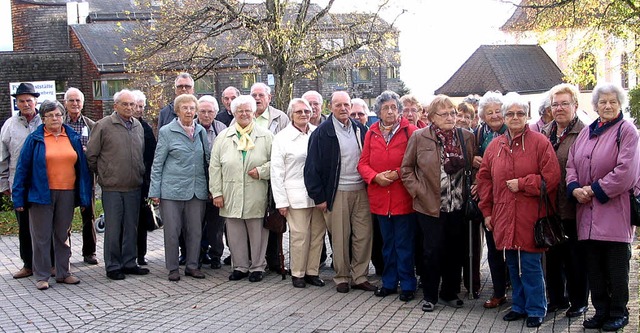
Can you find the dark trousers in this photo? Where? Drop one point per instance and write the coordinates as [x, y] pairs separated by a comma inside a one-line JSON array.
[[144, 217], [497, 266], [377, 258], [88, 232], [442, 254], [476, 253], [567, 279], [273, 251], [398, 231], [213, 229], [608, 271]]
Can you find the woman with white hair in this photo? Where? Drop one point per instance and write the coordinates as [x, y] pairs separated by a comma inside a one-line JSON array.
[[603, 167], [514, 168], [306, 222], [238, 180], [545, 112]]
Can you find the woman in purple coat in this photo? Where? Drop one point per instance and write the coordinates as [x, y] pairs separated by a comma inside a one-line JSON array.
[[603, 166]]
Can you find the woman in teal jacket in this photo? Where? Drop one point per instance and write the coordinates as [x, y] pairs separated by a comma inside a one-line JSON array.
[[178, 178]]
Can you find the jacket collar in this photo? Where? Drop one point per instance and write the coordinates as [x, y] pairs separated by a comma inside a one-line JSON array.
[[594, 130]]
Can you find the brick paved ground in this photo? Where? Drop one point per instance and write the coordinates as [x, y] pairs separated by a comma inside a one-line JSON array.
[[152, 303]]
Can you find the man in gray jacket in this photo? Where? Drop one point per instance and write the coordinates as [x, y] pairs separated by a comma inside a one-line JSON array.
[[114, 152]]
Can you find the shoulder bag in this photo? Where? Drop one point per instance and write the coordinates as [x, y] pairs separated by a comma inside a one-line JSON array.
[[273, 220], [548, 230], [470, 206]]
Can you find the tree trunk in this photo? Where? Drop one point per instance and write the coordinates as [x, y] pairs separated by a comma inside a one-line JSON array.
[[283, 92]]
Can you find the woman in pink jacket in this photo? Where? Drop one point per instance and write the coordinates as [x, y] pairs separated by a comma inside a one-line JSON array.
[[379, 165], [509, 181], [603, 166]]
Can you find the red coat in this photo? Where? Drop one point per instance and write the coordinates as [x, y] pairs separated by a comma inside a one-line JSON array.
[[513, 215], [378, 157]]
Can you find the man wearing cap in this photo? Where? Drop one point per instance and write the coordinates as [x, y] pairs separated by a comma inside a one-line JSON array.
[[14, 131], [74, 102]]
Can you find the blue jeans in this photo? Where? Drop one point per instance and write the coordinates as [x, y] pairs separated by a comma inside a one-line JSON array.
[[397, 250], [527, 281]]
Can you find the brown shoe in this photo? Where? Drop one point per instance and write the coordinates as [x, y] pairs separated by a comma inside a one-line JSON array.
[[342, 287], [23, 273], [91, 260], [42, 285], [366, 286], [495, 302], [53, 271], [174, 275], [71, 279], [196, 273]]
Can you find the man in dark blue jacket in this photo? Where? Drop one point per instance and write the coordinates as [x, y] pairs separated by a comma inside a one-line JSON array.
[[333, 182]]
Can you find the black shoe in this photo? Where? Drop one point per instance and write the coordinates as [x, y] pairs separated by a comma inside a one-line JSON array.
[[273, 267], [205, 259], [342, 287], [615, 323], [576, 311], [553, 307], [407, 296], [314, 280], [256, 276], [512, 316], [142, 261], [476, 295], [227, 261], [182, 260], [215, 264], [238, 275], [594, 322], [384, 292], [135, 270], [115, 275], [298, 282], [534, 321]]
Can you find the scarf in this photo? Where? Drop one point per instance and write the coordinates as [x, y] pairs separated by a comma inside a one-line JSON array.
[[557, 140], [188, 129], [245, 143], [387, 131], [452, 157], [487, 135]]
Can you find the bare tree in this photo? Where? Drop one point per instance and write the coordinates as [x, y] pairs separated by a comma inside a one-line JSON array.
[[292, 39]]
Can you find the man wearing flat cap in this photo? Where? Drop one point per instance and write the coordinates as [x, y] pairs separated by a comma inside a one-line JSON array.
[[14, 131]]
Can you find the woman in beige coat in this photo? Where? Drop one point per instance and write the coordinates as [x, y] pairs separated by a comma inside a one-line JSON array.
[[239, 171]]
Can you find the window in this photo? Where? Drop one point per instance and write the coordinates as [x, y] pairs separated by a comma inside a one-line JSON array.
[[362, 75], [624, 70], [336, 75], [204, 85], [248, 79], [392, 72], [105, 89], [585, 68]]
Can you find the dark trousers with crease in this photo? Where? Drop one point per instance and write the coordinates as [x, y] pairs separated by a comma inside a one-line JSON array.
[[608, 271], [497, 266]]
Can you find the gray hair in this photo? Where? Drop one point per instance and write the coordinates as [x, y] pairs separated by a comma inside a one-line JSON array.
[[183, 76], [386, 96], [116, 96], [267, 89], [241, 100], [545, 103], [210, 99], [608, 88], [362, 103], [294, 102], [514, 99], [72, 89], [490, 97], [312, 93], [139, 96], [232, 88], [48, 106]]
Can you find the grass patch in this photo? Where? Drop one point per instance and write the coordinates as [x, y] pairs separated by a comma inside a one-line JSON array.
[[9, 225]]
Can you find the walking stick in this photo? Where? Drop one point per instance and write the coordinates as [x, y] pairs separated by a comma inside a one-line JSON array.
[[470, 270]]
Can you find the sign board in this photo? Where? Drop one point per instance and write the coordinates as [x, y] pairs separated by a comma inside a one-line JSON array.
[[47, 90]]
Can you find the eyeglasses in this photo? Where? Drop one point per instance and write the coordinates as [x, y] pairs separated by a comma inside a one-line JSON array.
[[125, 104], [184, 86], [519, 114], [55, 115], [445, 115], [564, 105], [389, 107], [409, 110], [300, 112], [243, 111], [357, 114]]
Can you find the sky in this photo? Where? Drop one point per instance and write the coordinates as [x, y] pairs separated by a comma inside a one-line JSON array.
[[436, 36]]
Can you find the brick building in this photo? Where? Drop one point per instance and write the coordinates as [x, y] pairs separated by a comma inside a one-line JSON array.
[[80, 44]]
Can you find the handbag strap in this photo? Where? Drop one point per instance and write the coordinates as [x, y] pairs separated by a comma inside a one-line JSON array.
[[467, 163], [544, 197]]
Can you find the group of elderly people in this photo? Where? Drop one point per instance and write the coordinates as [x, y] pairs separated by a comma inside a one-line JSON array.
[[414, 162]]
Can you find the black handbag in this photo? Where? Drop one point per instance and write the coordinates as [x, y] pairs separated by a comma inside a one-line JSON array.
[[548, 231], [470, 206], [273, 220], [634, 208]]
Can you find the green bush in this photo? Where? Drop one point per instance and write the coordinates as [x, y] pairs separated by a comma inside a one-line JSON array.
[[634, 103]]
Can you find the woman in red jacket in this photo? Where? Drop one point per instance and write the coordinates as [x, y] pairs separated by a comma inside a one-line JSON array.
[[379, 165], [513, 168]]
